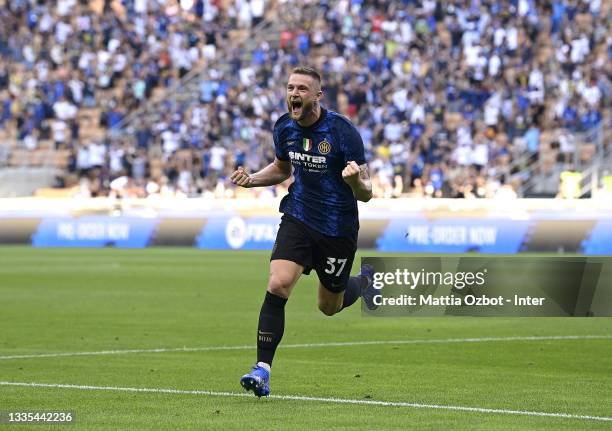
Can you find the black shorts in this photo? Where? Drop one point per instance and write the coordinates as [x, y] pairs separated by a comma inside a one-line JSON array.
[[332, 257]]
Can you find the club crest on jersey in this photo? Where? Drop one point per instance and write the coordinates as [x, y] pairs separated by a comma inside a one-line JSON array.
[[307, 144], [324, 147]]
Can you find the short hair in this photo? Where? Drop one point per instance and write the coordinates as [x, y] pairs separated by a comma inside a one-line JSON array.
[[305, 70]]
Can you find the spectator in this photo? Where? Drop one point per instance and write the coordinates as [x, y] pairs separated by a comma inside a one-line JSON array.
[[447, 95]]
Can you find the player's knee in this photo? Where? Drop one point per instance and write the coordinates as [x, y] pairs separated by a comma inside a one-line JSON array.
[[279, 286], [328, 309]]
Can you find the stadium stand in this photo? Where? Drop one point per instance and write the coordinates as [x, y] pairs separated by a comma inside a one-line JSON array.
[[453, 99]]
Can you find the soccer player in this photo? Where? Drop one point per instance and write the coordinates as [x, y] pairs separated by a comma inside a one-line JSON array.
[[319, 225]]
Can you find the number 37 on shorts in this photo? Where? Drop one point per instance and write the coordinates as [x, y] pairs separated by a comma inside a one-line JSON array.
[[335, 266]]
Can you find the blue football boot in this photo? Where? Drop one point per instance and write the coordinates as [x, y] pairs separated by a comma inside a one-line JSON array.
[[258, 381]]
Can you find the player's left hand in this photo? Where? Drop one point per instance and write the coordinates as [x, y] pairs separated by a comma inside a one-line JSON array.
[[350, 174]]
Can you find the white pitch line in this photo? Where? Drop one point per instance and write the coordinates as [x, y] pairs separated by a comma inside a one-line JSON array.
[[313, 345], [314, 399]]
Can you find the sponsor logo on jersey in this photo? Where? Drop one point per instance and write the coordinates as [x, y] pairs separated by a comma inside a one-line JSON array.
[[324, 147], [307, 144], [301, 157]]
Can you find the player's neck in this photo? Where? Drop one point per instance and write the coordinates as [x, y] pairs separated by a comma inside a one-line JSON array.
[[312, 117]]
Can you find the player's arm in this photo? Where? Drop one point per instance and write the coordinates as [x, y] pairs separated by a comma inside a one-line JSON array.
[[358, 178], [275, 173]]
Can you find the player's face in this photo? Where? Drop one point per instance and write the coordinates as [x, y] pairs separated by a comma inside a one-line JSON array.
[[303, 94]]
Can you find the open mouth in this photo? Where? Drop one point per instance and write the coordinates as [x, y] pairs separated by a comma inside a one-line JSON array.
[[296, 106]]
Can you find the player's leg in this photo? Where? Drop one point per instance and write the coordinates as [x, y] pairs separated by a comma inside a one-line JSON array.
[[333, 261], [283, 276], [331, 303], [291, 256]]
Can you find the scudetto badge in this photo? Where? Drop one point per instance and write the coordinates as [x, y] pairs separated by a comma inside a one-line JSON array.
[[324, 147]]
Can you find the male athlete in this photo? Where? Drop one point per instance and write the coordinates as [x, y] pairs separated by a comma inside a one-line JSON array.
[[320, 222]]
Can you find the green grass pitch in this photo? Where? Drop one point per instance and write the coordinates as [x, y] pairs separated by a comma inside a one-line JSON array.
[[62, 301]]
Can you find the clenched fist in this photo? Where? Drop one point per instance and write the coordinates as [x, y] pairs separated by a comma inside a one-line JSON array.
[[350, 174], [241, 178]]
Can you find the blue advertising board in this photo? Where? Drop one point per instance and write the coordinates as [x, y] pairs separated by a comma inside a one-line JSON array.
[[600, 239], [94, 231], [453, 235], [238, 233], [411, 234]]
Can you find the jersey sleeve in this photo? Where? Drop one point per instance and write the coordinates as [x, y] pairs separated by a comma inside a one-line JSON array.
[[352, 145], [280, 149]]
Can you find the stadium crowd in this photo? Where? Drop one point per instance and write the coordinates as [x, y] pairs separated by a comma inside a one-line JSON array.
[[451, 98]]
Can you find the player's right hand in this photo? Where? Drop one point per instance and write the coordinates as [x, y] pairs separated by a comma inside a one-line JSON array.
[[241, 178]]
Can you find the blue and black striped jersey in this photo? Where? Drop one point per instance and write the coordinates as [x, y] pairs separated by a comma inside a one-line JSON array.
[[319, 197]]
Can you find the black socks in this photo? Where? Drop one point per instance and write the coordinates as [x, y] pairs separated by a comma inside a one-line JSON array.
[[271, 327], [272, 318], [353, 290]]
